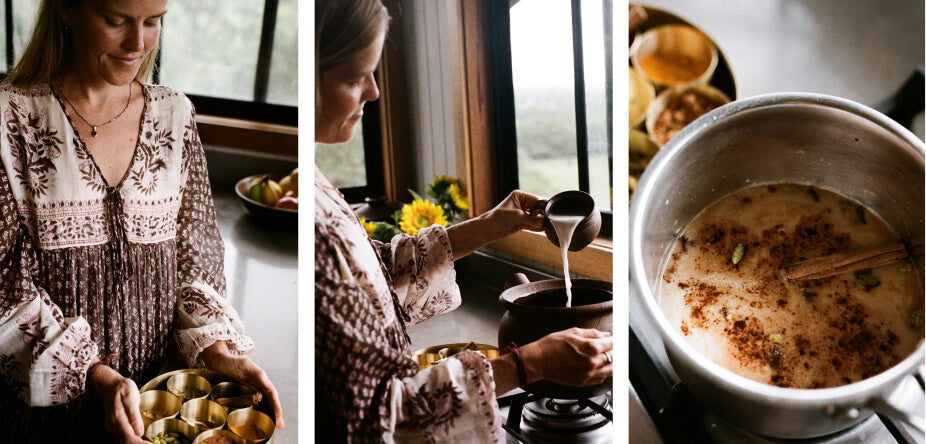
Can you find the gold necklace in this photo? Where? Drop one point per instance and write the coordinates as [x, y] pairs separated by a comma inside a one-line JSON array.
[[93, 128]]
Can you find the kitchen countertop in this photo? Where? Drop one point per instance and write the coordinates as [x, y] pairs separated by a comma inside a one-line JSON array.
[[261, 271]]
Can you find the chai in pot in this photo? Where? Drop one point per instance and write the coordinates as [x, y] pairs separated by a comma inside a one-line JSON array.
[[724, 289]]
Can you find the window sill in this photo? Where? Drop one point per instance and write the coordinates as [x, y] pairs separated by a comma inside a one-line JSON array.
[[259, 137], [595, 261]]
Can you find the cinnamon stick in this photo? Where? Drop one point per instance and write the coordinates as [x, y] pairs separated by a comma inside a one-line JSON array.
[[846, 261]]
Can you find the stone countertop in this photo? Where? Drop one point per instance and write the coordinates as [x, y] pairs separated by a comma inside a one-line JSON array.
[[261, 270]]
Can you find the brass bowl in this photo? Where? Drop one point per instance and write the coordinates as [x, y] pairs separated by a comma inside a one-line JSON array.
[[430, 356], [170, 425], [204, 437], [203, 414], [158, 404], [641, 94], [189, 386], [232, 395], [252, 425], [706, 95], [674, 55]]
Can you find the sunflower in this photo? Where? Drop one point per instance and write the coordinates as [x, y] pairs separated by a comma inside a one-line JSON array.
[[458, 197], [369, 226], [443, 180], [420, 214]]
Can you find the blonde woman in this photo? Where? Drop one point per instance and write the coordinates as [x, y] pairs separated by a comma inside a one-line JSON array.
[[109, 250], [368, 388]]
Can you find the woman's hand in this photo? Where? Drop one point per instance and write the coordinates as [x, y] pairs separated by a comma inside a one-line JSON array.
[[218, 358], [574, 357], [513, 214], [120, 399], [506, 218]]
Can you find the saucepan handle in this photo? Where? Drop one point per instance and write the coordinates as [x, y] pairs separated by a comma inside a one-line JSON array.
[[883, 407]]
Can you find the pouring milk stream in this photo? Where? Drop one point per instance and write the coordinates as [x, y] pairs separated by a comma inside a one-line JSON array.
[[574, 220], [565, 225]]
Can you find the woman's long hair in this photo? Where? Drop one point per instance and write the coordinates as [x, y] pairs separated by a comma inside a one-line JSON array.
[[50, 50], [342, 29]]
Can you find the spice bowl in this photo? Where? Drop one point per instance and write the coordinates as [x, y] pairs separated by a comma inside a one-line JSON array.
[[158, 404], [232, 395], [217, 436], [203, 414], [674, 55], [188, 386], [674, 108], [160, 431], [641, 94], [250, 424]]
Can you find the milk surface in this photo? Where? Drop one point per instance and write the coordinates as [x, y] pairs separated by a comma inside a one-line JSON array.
[[749, 319]]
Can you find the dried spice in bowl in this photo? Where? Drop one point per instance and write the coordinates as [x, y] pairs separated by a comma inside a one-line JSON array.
[[675, 108]]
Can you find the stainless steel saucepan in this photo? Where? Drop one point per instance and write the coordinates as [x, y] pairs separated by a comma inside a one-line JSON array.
[[812, 139]]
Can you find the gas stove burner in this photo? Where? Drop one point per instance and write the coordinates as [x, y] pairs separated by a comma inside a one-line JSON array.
[[534, 419], [567, 415]]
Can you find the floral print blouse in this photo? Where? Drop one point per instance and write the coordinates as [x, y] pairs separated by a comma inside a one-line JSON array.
[[368, 387], [88, 269]]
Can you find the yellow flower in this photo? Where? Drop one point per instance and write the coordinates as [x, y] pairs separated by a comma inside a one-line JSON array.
[[369, 226], [445, 180], [421, 214], [459, 198]]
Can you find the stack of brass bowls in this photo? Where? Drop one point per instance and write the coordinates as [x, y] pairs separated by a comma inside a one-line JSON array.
[[204, 406], [428, 357]]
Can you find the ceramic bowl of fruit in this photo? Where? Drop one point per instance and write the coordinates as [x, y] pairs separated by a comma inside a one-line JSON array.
[[271, 199]]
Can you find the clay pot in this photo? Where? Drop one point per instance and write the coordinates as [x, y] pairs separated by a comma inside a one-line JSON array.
[[536, 309]]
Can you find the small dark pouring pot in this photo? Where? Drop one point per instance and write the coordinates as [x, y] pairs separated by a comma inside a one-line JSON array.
[[536, 309]]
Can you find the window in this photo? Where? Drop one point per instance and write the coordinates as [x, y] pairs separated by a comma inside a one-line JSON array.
[[558, 94], [355, 166], [229, 60]]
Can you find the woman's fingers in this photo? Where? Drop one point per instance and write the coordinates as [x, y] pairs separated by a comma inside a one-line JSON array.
[[125, 428], [268, 389]]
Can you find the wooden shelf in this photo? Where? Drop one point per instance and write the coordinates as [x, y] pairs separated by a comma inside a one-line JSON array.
[[268, 138]]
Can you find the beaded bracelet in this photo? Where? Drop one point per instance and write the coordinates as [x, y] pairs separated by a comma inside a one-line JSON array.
[[522, 372], [105, 360]]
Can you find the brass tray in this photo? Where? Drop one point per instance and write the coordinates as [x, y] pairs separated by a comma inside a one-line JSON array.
[[160, 383]]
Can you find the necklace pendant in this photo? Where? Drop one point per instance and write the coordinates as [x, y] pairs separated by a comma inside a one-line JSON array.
[[93, 131]]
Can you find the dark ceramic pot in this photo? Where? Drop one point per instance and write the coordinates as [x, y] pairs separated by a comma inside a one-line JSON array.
[[536, 309], [571, 202]]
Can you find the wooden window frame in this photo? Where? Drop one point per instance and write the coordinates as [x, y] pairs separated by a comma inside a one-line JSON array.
[[475, 137], [477, 144]]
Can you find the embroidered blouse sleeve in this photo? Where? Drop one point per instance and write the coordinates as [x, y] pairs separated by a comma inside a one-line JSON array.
[[204, 314], [422, 272], [454, 401], [44, 356]]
